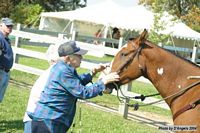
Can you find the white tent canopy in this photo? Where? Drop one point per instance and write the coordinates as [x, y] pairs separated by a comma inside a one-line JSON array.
[[111, 14], [180, 30]]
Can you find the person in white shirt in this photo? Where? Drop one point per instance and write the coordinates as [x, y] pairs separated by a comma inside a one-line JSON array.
[[52, 57]]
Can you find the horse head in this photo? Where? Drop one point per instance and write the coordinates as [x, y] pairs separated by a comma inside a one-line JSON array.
[[128, 63]]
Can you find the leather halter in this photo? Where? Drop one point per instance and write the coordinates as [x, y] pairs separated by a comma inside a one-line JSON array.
[[185, 108], [130, 59]]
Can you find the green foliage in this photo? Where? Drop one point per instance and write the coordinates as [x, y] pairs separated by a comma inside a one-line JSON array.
[[6, 8], [157, 27], [146, 2], [159, 24], [192, 19], [186, 10], [26, 14], [59, 5]]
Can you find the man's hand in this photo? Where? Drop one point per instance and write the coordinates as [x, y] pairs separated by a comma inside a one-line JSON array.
[[99, 68], [111, 77]]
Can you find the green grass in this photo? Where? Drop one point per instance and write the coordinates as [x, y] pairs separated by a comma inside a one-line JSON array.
[[12, 109], [92, 120], [33, 62], [96, 121], [106, 58], [23, 77], [145, 89], [34, 48]]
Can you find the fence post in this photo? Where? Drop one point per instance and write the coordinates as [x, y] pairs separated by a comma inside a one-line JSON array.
[[194, 53], [123, 107], [16, 57], [120, 42], [73, 35], [60, 36]]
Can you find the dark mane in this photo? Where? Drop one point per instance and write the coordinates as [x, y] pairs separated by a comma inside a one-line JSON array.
[[192, 63], [181, 57]]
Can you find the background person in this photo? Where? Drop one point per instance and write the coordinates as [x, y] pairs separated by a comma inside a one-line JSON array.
[[57, 105], [116, 35], [6, 54], [52, 57], [98, 34]]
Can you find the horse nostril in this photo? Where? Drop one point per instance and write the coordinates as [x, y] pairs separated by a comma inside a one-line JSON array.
[[112, 86]]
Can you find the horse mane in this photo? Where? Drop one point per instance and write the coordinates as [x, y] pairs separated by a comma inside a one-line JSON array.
[[181, 57], [171, 52]]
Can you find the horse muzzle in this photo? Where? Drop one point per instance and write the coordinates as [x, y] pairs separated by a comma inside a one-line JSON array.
[[111, 86]]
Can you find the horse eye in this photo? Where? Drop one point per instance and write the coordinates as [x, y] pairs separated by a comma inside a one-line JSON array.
[[123, 54]]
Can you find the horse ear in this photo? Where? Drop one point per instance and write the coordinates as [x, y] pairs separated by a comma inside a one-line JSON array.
[[142, 38]]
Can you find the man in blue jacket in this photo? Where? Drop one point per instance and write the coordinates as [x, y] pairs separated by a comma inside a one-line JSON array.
[[56, 108], [6, 54]]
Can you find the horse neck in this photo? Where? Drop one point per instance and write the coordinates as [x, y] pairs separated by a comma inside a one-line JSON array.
[[163, 69]]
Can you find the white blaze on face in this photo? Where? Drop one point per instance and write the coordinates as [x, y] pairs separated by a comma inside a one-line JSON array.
[[160, 71], [125, 45]]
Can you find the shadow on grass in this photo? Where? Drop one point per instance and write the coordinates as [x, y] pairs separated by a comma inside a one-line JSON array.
[[11, 125]]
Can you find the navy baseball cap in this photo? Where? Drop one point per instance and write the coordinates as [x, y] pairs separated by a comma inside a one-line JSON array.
[[7, 21], [69, 48]]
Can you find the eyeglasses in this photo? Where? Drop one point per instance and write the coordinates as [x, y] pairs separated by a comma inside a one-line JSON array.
[[9, 26]]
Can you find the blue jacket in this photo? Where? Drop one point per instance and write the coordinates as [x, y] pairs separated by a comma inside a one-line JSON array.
[[6, 58], [64, 86]]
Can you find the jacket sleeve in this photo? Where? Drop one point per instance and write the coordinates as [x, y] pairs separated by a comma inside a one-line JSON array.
[[85, 78], [73, 85]]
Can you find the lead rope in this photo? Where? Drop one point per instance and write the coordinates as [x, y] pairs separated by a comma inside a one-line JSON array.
[[80, 118], [77, 117], [136, 106]]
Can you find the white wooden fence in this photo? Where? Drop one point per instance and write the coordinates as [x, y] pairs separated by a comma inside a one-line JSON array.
[[46, 40]]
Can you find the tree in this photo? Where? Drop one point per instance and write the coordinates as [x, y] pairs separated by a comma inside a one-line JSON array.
[[26, 14], [186, 10], [28, 11], [192, 19], [159, 8], [179, 7], [60, 5], [6, 8]]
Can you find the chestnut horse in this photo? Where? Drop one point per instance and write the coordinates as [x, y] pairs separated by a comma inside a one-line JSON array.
[[169, 74]]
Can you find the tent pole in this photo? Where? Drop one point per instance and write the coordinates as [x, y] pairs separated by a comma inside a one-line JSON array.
[[41, 26], [66, 26], [72, 27], [173, 44], [105, 33], [194, 52]]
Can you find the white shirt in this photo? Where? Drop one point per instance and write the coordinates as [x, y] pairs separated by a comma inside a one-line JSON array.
[[35, 93]]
